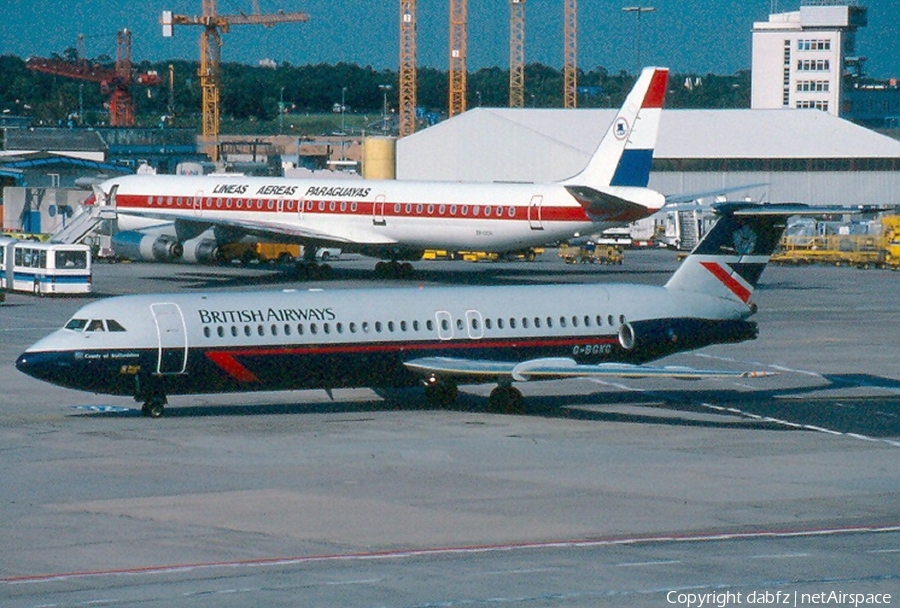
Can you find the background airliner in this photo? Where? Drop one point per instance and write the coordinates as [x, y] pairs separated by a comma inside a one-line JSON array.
[[153, 346], [397, 220]]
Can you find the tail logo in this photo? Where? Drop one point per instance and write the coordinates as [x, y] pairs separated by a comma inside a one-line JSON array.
[[621, 129], [744, 240]]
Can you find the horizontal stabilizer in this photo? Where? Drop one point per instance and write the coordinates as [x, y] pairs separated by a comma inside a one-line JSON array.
[[555, 368]]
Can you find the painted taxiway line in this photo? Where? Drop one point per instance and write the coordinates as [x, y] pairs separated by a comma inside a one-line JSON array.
[[449, 551]]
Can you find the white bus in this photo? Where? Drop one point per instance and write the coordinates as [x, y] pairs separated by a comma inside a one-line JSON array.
[[44, 268]]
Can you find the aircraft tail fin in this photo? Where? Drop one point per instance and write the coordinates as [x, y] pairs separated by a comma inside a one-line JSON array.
[[625, 153], [731, 257]]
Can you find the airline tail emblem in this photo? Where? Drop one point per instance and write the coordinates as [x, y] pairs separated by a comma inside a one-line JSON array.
[[625, 153], [731, 257]]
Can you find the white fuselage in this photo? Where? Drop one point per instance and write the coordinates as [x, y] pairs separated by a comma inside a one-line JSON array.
[[367, 214]]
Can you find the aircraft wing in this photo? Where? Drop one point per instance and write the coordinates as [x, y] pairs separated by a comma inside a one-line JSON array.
[[269, 231], [556, 368]]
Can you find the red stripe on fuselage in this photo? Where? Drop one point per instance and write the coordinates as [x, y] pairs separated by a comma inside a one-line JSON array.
[[729, 281], [656, 94], [226, 360], [223, 205]]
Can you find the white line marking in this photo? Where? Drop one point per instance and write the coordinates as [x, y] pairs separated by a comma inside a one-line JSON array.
[[638, 564]]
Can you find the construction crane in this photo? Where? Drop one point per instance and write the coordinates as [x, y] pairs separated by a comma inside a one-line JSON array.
[[570, 54], [407, 67], [457, 103], [115, 82], [517, 53], [211, 51]]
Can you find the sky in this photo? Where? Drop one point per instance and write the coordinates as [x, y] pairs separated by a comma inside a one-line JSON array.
[[696, 36]]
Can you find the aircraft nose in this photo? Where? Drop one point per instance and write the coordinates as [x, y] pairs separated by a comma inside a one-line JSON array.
[[36, 365]]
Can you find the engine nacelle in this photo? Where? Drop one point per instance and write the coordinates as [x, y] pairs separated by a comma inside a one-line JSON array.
[[200, 251], [651, 339], [142, 247]]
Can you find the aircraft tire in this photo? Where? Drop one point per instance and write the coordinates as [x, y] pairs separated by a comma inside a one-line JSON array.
[[506, 400], [154, 408]]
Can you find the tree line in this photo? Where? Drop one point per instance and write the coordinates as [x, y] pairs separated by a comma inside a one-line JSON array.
[[258, 92]]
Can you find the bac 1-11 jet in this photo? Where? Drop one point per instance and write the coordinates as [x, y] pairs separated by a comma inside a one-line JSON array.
[[153, 346], [395, 220]]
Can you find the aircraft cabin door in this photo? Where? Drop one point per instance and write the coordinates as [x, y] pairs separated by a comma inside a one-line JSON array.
[[534, 212], [378, 211], [172, 338], [444, 324], [474, 324], [198, 203]]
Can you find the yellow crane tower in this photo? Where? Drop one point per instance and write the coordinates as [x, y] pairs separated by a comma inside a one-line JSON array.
[[457, 58], [407, 67], [211, 51], [517, 53], [570, 54]]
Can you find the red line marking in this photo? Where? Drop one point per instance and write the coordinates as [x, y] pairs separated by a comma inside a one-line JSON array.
[[227, 362], [472, 549]]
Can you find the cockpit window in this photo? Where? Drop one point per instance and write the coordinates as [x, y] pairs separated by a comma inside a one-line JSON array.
[[95, 325], [76, 324], [113, 325]]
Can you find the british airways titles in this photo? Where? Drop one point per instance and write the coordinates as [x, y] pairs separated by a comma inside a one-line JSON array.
[[281, 190], [272, 314]]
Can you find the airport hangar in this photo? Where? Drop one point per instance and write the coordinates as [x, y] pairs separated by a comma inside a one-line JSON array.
[[791, 155]]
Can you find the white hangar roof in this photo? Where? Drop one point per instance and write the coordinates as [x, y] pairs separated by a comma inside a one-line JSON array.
[[497, 144]]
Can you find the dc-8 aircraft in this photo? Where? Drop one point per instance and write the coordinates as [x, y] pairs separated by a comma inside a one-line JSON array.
[[396, 220], [154, 346]]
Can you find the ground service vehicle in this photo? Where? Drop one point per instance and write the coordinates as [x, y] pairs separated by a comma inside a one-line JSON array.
[[44, 268]]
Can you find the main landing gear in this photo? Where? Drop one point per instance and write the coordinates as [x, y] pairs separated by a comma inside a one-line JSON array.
[[504, 399], [154, 407], [393, 270]]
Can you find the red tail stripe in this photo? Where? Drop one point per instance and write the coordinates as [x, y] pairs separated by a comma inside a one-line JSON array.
[[656, 94], [729, 281]]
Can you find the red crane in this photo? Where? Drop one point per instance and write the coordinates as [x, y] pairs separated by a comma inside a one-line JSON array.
[[115, 82]]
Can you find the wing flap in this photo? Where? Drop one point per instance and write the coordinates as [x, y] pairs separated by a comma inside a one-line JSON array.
[[558, 368]]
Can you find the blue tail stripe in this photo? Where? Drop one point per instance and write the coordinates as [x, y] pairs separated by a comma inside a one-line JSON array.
[[633, 168]]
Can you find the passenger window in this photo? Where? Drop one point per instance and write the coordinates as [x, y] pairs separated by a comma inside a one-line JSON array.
[[261, 330], [574, 321], [274, 329], [499, 323], [512, 323], [587, 321], [403, 326], [487, 323], [391, 326], [287, 329], [234, 331], [365, 327], [459, 324], [247, 330], [524, 322], [339, 327], [599, 321], [300, 329], [313, 328], [611, 320], [537, 321], [549, 322], [220, 331], [429, 325], [415, 326], [352, 327], [326, 327], [378, 327], [562, 321], [206, 332]]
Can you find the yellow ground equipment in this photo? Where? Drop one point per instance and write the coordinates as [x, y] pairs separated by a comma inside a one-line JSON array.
[[591, 254], [860, 250]]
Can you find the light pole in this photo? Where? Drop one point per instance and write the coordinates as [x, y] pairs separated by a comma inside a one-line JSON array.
[[281, 111], [637, 10], [343, 103], [385, 88]]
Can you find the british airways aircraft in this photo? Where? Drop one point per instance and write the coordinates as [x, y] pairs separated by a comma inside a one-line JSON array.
[[154, 346], [397, 220]]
